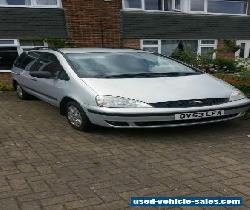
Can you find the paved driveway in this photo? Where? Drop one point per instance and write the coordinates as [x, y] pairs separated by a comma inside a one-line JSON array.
[[44, 164]]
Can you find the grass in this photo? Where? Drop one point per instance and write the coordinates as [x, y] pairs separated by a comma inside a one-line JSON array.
[[6, 87], [245, 74]]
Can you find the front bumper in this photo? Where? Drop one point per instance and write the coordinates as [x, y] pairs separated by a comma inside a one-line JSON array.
[[155, 117]]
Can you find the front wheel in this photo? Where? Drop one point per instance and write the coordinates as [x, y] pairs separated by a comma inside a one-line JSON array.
[[21, 93], [77, 117]]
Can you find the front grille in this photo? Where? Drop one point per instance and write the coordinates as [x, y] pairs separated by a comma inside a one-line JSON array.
[[178, 122], [190, 103]]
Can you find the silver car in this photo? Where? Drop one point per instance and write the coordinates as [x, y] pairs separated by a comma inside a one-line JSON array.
[[125, 88]]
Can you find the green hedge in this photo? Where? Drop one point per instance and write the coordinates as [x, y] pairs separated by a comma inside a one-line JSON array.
[[244, 89], [6, 87]]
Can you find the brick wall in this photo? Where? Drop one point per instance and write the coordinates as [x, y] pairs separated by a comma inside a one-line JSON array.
[[131, 43], [94, 23], [224, 54], [5, 78]]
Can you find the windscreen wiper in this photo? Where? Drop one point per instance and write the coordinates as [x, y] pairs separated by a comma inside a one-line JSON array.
[[149, 75]]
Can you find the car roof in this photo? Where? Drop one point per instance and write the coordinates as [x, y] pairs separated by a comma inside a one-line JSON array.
[[89, 50]]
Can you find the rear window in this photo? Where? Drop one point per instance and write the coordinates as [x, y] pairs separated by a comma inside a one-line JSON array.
[[19, 60], [26, 59]]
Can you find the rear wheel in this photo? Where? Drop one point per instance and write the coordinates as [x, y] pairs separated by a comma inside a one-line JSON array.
[[77, 117], [21, 93]]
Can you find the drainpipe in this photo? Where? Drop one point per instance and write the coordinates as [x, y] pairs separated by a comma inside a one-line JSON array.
[[102, 33]]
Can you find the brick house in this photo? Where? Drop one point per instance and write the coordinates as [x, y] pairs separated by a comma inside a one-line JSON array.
[[155, 25]]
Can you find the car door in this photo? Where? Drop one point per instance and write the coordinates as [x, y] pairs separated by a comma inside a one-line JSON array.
[[51, 89], [22, 68], [18, 68]]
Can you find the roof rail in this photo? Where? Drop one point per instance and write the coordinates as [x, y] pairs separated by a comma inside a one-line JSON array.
[[45, 48]]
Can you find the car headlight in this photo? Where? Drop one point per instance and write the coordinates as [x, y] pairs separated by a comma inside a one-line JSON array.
[[237, 95], [119, 102]]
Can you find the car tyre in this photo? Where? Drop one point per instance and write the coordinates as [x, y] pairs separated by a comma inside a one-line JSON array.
[[77, 117], [21, 93]]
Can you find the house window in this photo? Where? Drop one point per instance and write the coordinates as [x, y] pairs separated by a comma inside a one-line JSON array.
[[150, 42], [219, 6], [226, 6], [7, 42], [151, 45], [31, 3], [11, 48], [197, 5], [7, 57], [207, 52], [244, 51], [160, 5], [168, 47], [8, 54], [207, 48], [133, 4], [15, 2], [205, 6], [208, 42], [46, 2], [177, 4], [168, 5], [153, 4]]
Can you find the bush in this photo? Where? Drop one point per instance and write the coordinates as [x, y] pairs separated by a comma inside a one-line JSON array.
[[206, 64], [243, 64], [230, 46], [244, 89], [226, 65], [60, 43], [186, 56], [6, 87]]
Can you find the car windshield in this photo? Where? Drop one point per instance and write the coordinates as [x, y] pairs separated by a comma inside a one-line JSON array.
[[126, 65]]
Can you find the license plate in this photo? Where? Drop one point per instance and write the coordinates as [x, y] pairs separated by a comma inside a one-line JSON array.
[[199, 115]]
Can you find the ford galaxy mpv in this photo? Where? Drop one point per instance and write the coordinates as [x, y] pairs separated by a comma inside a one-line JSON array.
[[125, 88]]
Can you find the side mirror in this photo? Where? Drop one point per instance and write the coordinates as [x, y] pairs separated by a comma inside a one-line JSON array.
[[42, 74]]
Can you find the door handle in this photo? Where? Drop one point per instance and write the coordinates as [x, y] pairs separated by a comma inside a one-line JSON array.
[[34, 79]]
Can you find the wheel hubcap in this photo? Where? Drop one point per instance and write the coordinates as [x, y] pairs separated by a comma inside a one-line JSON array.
[[19, 91], [74, 116]]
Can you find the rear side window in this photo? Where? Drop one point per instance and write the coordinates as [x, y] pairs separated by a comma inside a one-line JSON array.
[[26, 60], [19, 60]]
